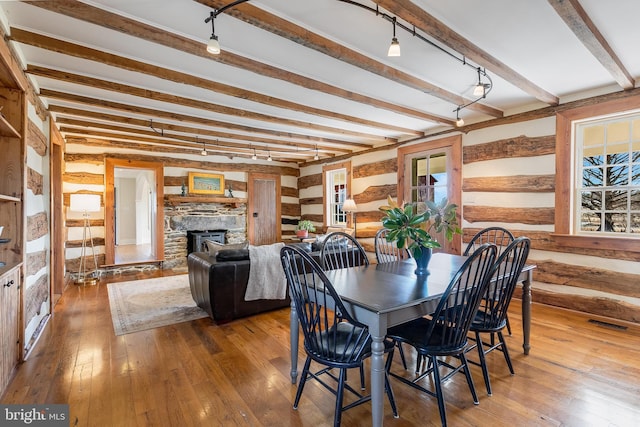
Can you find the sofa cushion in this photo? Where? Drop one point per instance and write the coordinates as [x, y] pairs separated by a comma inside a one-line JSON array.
[[214, 247], [232, 255]]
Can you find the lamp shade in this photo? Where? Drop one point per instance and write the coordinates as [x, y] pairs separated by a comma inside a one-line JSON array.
[[85, 202], [349, 205]]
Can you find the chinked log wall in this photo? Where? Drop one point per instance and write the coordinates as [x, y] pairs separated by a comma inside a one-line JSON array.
[[548, 271], [85, 174]]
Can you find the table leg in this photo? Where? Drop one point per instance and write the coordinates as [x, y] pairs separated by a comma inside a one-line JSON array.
[[293, 340], [526, 310], [377, 380]]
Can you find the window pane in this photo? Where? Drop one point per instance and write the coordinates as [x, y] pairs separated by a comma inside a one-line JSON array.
[[615, 200], [593, 135], [635, 223], [590, 222], [617, 176], [618, 222], [618, 132], [592, 177]]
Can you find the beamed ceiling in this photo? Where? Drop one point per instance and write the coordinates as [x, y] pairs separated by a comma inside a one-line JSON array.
[[300, 77]]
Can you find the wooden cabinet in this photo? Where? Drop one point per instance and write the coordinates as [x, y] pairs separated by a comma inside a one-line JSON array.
[[9, 329], [13, 114]]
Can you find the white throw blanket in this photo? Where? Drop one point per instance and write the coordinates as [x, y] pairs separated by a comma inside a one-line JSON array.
[[266, 277]]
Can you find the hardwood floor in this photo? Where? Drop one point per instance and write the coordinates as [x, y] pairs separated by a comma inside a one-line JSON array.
[[579, 373]]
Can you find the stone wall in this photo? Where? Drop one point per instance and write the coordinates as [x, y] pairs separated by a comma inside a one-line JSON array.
[[199, 217]]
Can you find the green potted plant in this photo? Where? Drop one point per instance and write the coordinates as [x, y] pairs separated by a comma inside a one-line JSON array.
[[410, 226], [303, 228]]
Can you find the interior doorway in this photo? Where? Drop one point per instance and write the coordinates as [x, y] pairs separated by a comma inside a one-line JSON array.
[[134, 212]]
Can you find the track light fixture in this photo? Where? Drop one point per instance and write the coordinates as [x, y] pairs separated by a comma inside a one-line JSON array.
[[213, 46], [459, 121], [316, 156], [255, 156], [481, 89], [204, 149], [394, 49], [269, 159]]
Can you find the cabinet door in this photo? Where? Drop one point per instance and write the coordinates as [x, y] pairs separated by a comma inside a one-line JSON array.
[[9, 298]]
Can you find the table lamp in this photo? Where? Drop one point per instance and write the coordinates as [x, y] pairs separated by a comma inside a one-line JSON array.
[[86, 203], [349, 206]]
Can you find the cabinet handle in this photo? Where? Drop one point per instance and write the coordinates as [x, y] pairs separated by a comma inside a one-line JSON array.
[[8, 284]]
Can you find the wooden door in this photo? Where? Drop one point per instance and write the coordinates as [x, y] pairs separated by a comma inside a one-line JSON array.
[[9, 328], [264, 209]]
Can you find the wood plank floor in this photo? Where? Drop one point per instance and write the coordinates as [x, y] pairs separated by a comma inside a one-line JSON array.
[[579, 373]]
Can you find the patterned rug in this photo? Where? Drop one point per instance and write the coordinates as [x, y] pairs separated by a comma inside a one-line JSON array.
[[146, 304]]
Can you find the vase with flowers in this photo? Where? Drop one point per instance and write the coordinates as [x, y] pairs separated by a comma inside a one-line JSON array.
[[411, 226]]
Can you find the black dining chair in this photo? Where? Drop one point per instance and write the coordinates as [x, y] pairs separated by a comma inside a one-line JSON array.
[[443, 336], [387, 251], [499, 236], [342, 250], [332, 338], [492, 313]]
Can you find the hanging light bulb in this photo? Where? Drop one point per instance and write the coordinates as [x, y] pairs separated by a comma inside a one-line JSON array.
[[459, 121], [480, 90], [394, 49], [316, 157], [269, 158], [204, 149], [213, 46], [255, 156]]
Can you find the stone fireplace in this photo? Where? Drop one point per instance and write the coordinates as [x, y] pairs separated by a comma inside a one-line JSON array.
[[181, 218]]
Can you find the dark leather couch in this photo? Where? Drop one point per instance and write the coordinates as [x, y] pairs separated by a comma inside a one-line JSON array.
[[218, 284]]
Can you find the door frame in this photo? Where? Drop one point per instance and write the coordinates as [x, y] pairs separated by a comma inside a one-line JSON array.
[[252, 177], [454, 176]]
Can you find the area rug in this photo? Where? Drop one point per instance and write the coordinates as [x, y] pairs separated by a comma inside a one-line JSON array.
[[146, 304]]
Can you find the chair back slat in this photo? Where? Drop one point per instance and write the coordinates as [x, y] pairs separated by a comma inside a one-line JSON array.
[[341, 250], [499, 236], [459, 303], [388, 251], [331, 335], [504, 277]]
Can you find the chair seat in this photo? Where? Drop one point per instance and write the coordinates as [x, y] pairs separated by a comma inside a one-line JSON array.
[[413, 334]]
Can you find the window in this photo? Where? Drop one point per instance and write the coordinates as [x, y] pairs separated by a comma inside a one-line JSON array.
[[336, 181], [607, 183], [570, 231]]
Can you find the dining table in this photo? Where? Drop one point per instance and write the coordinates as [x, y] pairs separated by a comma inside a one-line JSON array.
[[384, 295]]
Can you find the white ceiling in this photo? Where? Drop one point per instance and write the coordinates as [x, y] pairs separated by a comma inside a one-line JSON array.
[[528, 37]]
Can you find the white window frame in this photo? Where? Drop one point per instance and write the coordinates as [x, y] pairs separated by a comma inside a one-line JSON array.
[[333, 214], [601, 212]]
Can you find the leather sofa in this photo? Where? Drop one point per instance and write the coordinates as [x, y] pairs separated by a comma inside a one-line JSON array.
[[219, 283]]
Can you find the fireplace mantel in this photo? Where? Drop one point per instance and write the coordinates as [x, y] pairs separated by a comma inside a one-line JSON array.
[[174, 200]]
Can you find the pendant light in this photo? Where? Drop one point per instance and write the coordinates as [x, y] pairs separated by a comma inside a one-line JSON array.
[[394, 49]]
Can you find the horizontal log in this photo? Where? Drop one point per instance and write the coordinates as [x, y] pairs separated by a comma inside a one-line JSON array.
[[289, 192], [290, 209], [309, 181], [314, 218], [80, 223], [511, 184], [536, 216], [376, 168], [37, 226], [83, 178], [544, 241], [368, 216], [36, 139], [212, 166], [34, 181], [598, 279], [312, 201], [377, 193], [520, 146], [97, 241], [36, 261], [34, 296]]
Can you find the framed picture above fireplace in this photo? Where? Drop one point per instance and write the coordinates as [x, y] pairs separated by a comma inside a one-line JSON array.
[[206, 183]]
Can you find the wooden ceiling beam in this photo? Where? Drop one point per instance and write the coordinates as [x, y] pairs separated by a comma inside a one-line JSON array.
[[183, 101], [113, 21], [112, 140], [418, 17], [283, 28], [287, 140], [195, 141], [101, 103], [577, 19]]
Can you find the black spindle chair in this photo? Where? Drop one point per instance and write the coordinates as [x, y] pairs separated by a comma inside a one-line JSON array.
[[332, 338], [443, 337], [342, 250], [491, 317]]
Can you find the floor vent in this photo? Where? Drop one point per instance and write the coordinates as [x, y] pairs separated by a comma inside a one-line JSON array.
[[607, 324]]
